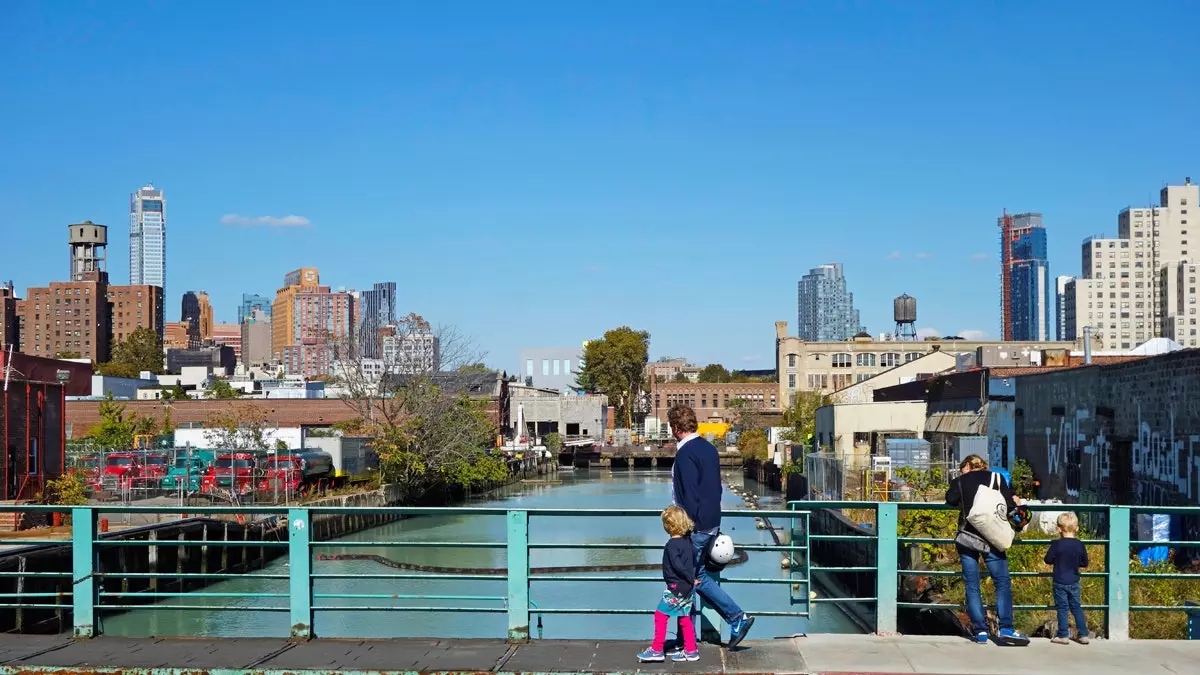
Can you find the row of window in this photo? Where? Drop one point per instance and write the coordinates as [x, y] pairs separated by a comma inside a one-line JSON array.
[[867, 359]]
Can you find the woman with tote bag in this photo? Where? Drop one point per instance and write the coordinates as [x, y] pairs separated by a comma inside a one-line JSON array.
[[984, 500]]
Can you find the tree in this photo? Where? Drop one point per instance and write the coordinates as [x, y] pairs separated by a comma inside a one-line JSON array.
[[220, 389], [801, 416], [680, 377], [239, 427], [752, 444], [140, 351], [68, 355], [175, 393], [743, 413], [116, 429], [476, 368], [714, 373], [613, 366]]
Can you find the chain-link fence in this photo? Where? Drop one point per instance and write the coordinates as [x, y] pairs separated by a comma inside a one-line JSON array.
[[861, 476]]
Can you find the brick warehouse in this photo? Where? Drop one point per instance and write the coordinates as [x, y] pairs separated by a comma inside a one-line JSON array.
[[31, 426], [1125, 433]]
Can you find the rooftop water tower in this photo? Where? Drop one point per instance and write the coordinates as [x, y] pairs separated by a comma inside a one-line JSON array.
[[88, 243], [905, 310]]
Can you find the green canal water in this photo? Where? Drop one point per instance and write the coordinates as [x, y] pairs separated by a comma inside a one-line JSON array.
[[581, 489]]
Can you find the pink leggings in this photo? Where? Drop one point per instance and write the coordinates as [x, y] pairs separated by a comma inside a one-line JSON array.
[[686, 631]]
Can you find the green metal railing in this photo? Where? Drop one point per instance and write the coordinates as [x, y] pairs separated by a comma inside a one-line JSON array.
[[1116, 572], [87, 596]]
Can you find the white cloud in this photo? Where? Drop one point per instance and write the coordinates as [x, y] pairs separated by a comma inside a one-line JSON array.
[[894, 255], [980, 257], [923, 333], [974, 335], [265, 221], [923, 256], [751, 358]]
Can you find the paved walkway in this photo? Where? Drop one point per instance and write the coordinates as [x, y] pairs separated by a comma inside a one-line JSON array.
[[819, 654]]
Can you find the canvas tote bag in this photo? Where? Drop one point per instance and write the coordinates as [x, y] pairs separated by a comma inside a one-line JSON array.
[[989, 515]]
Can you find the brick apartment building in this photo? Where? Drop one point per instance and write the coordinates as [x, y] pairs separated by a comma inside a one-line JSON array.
[[711, 400]]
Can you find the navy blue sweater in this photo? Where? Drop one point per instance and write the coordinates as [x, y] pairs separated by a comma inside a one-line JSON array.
[[1067, 555], [697, 480], [679, 566]]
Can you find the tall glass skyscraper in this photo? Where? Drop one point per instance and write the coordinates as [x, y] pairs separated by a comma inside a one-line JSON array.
[[148, 238], [826, 307], [378, 310], [251, 302], [1029, 283]]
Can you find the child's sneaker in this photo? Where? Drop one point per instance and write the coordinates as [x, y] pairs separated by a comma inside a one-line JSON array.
[[681, 656], [651, 656], [1012, 638], [1083, 640], [981, 638]]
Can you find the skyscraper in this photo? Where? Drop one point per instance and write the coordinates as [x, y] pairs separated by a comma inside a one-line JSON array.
[[251, 302], [378, 309], [148, 238], [826, 307], [1063, 300], [310, 323], [1025, 270], [196, 310]]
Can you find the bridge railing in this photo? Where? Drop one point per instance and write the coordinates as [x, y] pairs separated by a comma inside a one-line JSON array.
[[97, 588], [1115, 569]]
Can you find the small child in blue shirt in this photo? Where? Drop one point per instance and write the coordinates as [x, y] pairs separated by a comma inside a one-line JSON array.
[[1067, 554]]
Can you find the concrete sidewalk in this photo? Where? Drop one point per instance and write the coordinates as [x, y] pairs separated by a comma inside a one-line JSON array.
[[823, 654]]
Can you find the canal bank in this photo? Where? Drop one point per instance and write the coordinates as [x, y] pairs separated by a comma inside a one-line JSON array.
[[440, 599]]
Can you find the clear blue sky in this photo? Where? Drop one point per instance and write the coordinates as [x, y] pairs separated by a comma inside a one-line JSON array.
[[537, 172]]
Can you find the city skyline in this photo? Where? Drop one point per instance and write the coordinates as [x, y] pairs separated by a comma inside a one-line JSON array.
[[825, 306], [557, 148]]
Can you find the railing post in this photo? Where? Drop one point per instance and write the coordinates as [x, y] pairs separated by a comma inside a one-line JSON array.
[[83, 570], [300, 573], [518, 576], [1118, 572], [887, 523]]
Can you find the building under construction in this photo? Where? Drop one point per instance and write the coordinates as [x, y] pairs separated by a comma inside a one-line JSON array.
[[1025, 284]]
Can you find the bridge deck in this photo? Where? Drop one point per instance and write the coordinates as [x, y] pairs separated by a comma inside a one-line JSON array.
[[826, 654]]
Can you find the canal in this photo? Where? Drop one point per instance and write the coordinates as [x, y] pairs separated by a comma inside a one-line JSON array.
[[582, 489]]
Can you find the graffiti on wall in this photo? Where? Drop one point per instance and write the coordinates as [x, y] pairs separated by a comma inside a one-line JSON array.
[[1164, 463]]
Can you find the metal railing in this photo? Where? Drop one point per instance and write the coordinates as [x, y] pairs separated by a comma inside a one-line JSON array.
[[294, 537], [1116, 571], [88, 597]]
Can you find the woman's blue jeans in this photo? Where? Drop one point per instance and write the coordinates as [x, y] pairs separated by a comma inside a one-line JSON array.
[[997, 565]]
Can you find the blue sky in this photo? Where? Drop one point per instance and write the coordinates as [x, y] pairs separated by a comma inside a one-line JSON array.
[[537, 172]]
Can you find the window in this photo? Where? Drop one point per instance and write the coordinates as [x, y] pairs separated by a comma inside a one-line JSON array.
[[866, 360], [818, 381], [545, 366], [556, 366], [791, 360], [889, 360], [791, 381], [911, 356], [842, 360], [566, 366]]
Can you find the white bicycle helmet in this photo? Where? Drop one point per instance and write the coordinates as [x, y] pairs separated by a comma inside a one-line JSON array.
[[722, 550]]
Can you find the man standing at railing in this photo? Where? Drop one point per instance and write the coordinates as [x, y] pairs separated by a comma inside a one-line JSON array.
[[696, 488]]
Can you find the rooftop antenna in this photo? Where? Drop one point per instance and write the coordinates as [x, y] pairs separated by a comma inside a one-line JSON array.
[[8, 367]]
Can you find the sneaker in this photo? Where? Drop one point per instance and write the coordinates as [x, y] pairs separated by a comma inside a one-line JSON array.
[[738, 630], [1012, 638], [1083, 640], [981, 638], [651, 656], [1060, 641], [681, 656]]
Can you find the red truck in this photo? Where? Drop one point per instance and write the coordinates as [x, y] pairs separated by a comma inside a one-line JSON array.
[[234, 472], [121, 471], [296, 472], [154, 466]]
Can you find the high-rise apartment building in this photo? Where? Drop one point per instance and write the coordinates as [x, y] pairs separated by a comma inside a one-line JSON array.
[[134, 307], [251, 302], [1131, 286], [148, 238], [73, 317], [1026, 270], [1061, 303], [196, 311], [377, 308], [310, 324], [256, 338], [228, 334], [826, 308], [410, 347]]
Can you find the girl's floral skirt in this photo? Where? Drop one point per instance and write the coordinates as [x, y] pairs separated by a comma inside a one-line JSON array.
[[673, 605]]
